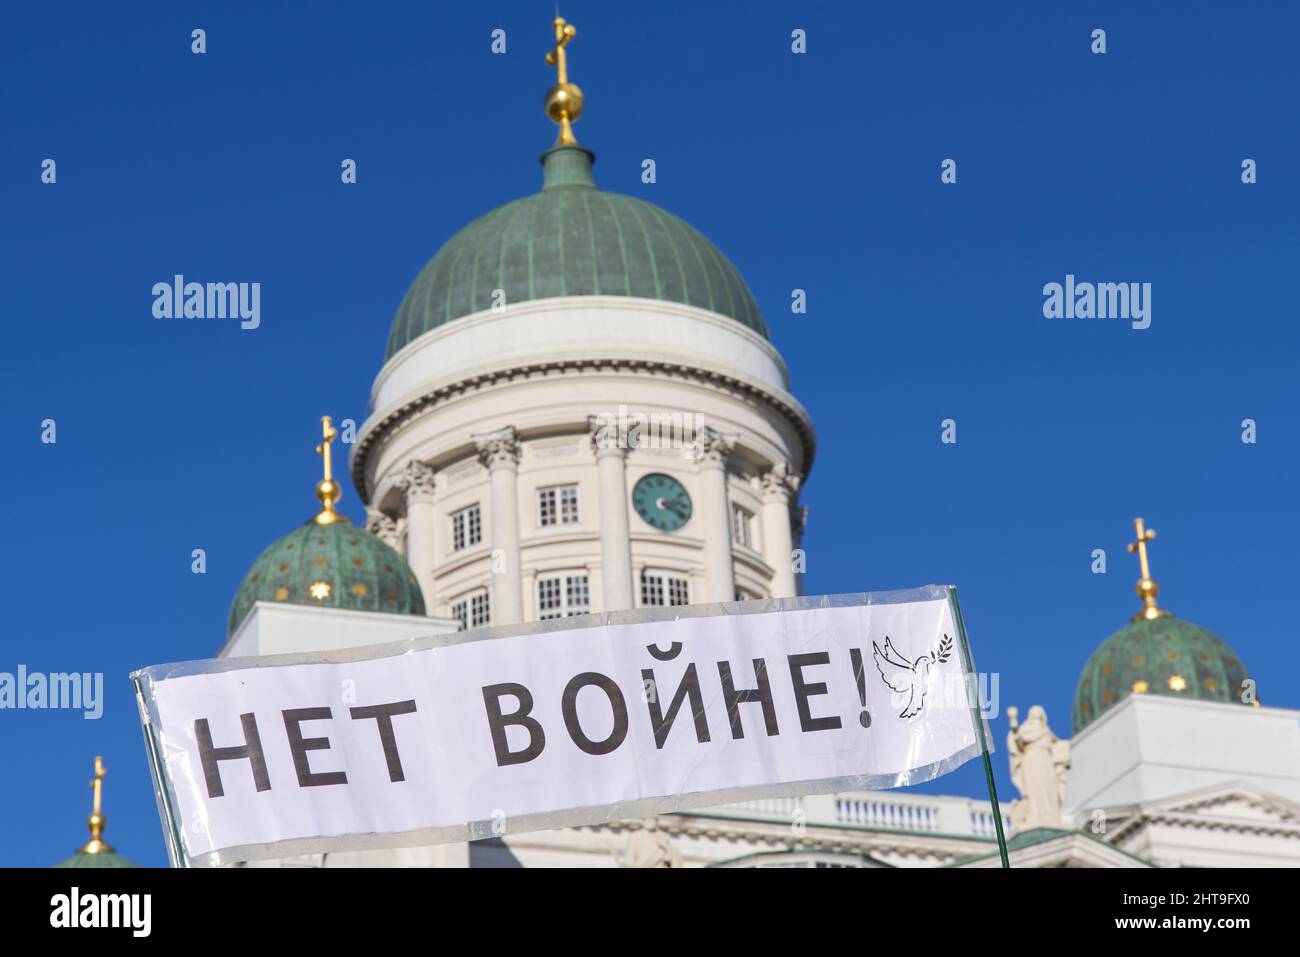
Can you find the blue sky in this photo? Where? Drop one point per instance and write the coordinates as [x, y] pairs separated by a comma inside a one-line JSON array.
[[818, 171]]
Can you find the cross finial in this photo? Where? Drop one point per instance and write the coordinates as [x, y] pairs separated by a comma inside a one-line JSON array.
[[1147, 588], [97, 821], [564, 99], [327, 490]]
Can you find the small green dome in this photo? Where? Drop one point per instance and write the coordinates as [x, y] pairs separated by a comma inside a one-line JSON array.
[[336, 566], [572, 239], [101, 859], [1164, 656]]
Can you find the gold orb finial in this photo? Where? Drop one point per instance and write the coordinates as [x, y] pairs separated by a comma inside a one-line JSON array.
[[1147, 588], [564, 99], [97, 821], [328, 490]]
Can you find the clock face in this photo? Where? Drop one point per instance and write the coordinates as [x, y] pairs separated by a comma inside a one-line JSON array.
[[662, 502]]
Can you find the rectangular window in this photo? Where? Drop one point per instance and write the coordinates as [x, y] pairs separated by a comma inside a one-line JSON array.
[[678, 592], [578, 595], [557, 506], [480, 610], [562, 596], [656, 587], [473, 611], [466, 528], [741, 525]]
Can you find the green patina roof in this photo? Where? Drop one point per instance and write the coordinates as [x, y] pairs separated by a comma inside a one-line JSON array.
[[572, 239], [362, 572], [1157, 651], [102, 859], [1041, 835]]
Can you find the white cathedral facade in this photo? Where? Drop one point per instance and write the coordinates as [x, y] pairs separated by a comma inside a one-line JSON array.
[[580, 412]]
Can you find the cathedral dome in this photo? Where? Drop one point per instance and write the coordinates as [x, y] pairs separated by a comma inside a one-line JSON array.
[[572, 239], [101, 859], [334, 566], [329, 563], [1164, 656], [95, 852], [1156, 653]]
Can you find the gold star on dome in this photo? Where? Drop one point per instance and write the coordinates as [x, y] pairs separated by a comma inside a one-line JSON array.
[[320, 590], [1177, 683], [1140, 687]]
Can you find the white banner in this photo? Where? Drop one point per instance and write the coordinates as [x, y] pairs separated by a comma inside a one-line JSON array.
[[559, 723]]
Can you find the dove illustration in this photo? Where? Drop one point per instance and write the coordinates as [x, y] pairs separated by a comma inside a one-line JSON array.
[[910, 678]]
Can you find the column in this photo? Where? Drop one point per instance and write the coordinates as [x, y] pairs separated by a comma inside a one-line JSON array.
[[416, 485], [799, 522], [779, 488], [711, 451], [615, 535], [499, 453], [528, 589]]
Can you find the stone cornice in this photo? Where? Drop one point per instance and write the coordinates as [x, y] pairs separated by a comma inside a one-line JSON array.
[[376, 430], [1191, 821], [779, 835]]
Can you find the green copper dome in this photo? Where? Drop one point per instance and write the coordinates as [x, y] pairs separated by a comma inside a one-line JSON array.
[[101, 859], [1162, 656], [572, 239], [336, 566]]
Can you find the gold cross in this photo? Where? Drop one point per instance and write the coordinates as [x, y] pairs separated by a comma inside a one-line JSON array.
[[564, 32], [1147, 589], [327, 490], [96, 821], [98, 786], [564, 99], [1144, 535], [329, 433]]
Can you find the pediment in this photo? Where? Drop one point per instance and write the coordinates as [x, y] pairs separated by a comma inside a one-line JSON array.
[[1232, 802]]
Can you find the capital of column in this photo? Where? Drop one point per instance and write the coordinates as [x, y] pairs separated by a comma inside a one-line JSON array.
[[780, 483], [382, 526], [499, 449], [606, 437], [416, 481], [711, 448]]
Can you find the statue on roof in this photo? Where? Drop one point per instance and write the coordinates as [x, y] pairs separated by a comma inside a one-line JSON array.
[[648, 846], [1040, 762]]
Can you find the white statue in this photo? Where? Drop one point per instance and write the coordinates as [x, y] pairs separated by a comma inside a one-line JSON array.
[[650, 847], [1039, 762]]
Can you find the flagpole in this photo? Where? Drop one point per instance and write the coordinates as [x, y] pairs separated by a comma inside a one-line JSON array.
[[175, 850], [969, 666]]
